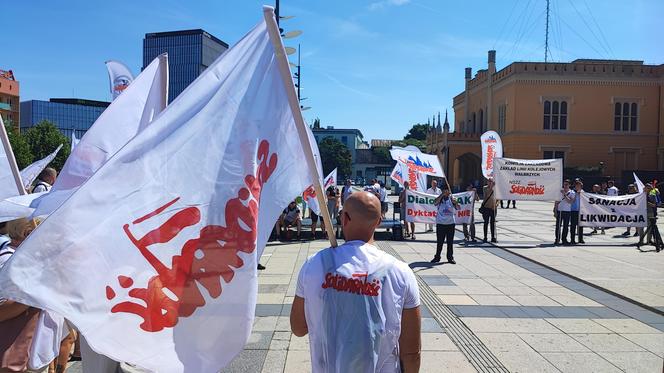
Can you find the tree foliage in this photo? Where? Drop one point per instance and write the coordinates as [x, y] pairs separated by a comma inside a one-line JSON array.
[[417, 132], [43, 139], [382, 155], [418, 143], [334, 154], [317, 123], [20, 146]]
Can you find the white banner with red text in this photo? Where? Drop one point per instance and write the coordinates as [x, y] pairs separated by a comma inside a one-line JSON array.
[[401, 173], [420, 207], [598, 210], [492, 148], [528, 180]]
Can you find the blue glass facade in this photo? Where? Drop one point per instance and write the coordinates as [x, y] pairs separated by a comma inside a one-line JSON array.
[[66, 114], [189, 53]]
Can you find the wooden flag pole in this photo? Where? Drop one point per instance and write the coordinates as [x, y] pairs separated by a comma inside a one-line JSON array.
[[284, 71], [10, 158]]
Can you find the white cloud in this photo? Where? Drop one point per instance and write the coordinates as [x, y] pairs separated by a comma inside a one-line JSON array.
[[379, 5]]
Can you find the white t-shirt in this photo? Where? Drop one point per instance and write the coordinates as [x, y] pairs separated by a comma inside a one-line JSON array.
[[353, 299], [564, 204], [445, 213], [41, 186], [383, 195], [347, 191], [436, 191], [613, 191]]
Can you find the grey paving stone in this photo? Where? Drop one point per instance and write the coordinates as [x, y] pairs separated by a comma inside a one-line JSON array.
[[430, 325], [568, 312], [514, 311], [424, 311], [659, 327], [268, 309], [285, 310], [437, 281], [478, 311], [247, 361], [606, 313], [535, 312], [259, 341], [272, 288]]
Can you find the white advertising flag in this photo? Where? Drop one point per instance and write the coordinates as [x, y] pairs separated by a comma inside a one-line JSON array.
[[309, 194], [154, 257], [597, 210], [119, 76], [417, 181], [528, 180], [492, 147], [420, 207], [425, 163], [118, 124], [30, 173], [330, 180]]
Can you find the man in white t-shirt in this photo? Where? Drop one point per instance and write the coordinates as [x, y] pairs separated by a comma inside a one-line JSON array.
[[45, 180], [359, 305], [613, 190], [433, 190], [567, 197]]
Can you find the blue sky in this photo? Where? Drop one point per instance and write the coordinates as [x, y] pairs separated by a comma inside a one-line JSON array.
[[379, 66]]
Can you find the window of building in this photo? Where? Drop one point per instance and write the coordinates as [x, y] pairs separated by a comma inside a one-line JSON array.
[[502, 115], [554, 154], [625, 116], [344, 140], [472, 126], [480, 128], [555, 115]]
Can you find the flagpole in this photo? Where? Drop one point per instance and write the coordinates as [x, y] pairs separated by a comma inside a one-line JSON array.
[[284, 70], [10, 158]]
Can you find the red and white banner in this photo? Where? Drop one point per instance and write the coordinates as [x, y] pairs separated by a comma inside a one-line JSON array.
[[492, 147], [120, 77], [427, 164], [154, 257], [528, 180], [330, 180], [420, 207], [417, 181]]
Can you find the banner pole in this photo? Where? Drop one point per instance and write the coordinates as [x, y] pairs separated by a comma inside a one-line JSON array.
[[284, 71], [10, 158]]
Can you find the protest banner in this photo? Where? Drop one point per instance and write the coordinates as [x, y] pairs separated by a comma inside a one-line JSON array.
[[30, 173], [420, 207], [417, 181], [492, 148], [10, 178], [119, 76], [418, 161], [330, 180], [528, 180], [598, 210]]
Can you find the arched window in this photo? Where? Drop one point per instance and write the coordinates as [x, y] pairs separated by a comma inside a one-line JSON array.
[[555, 115], [473, 124], [480, 129], [625, 116]]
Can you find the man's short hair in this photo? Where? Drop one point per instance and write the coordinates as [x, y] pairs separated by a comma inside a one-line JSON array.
[[48, 171]]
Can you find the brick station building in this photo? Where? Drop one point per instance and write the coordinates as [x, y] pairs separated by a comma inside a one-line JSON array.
[[604, 114]]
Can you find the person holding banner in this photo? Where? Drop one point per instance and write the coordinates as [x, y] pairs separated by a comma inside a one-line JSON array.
[[576, 205], [402, 205], [565, 211], [631, 189], [488, 210], [652, 229], [597, 190], [470, 236], [433, 190], [445, 225]]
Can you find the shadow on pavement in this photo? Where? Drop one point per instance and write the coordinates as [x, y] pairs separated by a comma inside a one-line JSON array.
[[414, 265]]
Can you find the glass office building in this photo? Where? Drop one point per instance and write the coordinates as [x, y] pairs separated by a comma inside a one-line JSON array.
[[67, 114], [189, 53]]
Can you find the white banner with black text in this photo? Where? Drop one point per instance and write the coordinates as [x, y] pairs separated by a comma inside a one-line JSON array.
[[598, 210]]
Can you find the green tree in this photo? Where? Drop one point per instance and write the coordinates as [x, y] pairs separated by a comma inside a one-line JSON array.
[[20, 147], [382, 154], [417, 132], [44, 138], [419, 143], [334, 154]]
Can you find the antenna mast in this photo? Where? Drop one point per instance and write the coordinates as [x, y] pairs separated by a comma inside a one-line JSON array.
[[546, 40]]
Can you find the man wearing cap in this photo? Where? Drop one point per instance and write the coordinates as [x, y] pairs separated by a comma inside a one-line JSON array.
[[359, 305]]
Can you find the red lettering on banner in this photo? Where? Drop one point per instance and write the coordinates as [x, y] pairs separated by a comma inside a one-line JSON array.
[[213, 256], [490, 154], [412, 179], [527, 190], [463, 213]]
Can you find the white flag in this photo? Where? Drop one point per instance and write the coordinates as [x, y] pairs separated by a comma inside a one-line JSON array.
[[154, 258], [118, 124], [309, 194], [10, 179], [639, 184], [492, 147], [120, 77], [417, 181], [30, 173], [428, 164], [330, 180], [74, 141], [18, 206]]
